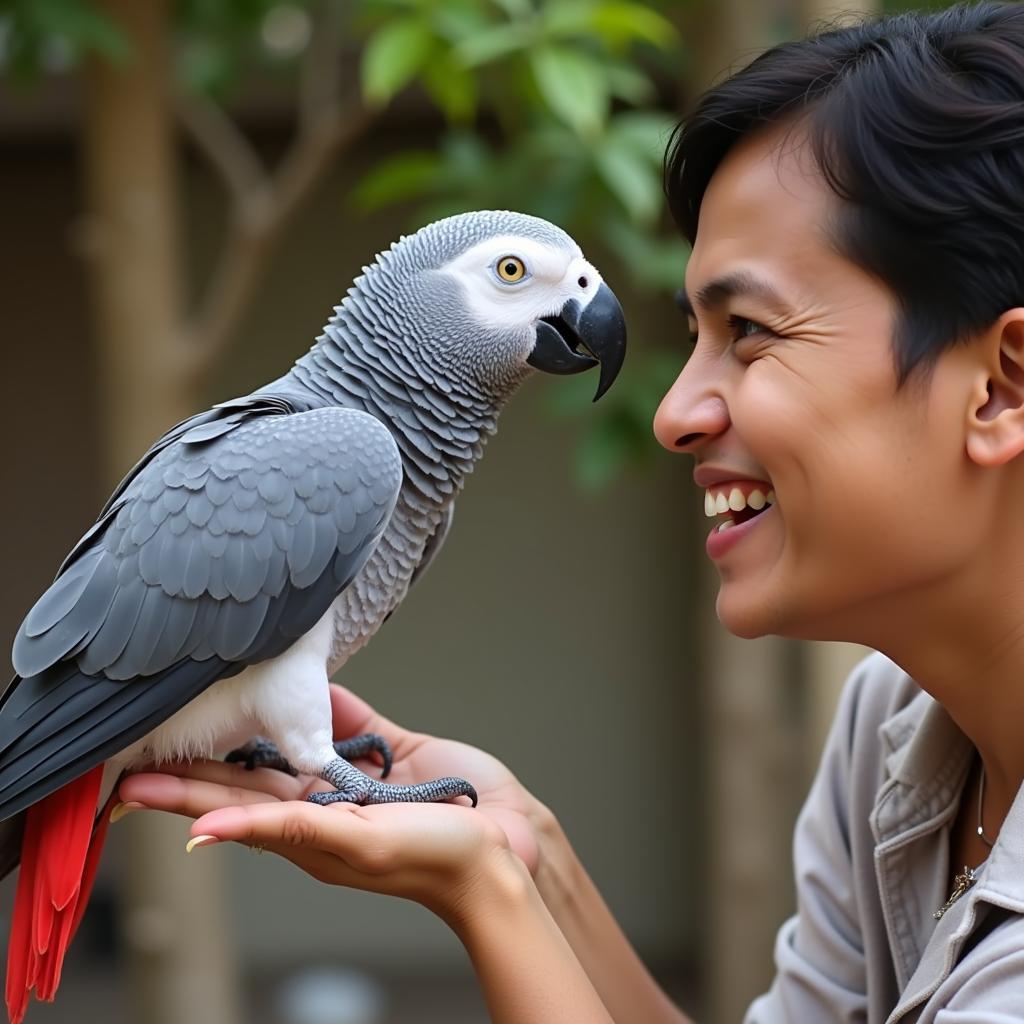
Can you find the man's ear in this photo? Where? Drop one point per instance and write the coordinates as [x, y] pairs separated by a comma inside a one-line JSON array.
[[995, 423]]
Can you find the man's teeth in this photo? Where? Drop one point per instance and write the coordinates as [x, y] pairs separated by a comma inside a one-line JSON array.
[[736, 501]]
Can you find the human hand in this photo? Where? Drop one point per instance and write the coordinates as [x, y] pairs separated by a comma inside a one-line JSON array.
[[432, 853]]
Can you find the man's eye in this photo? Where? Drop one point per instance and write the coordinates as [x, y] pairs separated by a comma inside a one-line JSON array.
[[740, 328]]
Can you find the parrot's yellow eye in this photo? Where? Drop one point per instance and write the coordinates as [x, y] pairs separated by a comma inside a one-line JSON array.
[[511, 269]]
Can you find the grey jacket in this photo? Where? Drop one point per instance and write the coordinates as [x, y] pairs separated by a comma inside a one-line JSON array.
[[871, 852]]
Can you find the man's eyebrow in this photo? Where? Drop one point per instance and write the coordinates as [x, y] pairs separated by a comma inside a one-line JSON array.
[[717, 292]]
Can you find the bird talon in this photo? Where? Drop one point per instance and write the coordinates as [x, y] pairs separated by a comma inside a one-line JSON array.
[[260, 753]]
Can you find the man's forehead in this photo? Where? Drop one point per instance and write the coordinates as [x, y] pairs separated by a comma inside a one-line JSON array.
[[762, 223]]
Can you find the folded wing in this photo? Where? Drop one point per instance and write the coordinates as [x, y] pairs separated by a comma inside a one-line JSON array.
[[227, 545]]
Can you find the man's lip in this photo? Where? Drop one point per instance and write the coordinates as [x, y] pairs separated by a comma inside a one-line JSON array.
[[708, 476]]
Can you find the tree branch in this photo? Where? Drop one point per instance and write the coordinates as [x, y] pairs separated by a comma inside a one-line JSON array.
[[264, 204], [227, 149], [320, 74], [250, 239]]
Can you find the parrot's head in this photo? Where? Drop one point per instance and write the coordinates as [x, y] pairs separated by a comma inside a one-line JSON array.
[[491, 294]]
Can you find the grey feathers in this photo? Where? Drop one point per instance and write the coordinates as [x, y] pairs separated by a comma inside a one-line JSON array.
[[209, 538]]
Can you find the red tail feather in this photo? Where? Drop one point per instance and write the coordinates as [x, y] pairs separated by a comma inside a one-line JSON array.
[[59, 855]]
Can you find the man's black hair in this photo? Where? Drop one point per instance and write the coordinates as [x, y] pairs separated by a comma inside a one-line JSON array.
[[917, 121]]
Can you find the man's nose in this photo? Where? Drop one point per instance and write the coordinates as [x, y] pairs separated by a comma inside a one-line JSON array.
[[691, 413]]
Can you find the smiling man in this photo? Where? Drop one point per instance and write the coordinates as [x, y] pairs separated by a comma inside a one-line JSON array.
[[854, 403], [854, 406]]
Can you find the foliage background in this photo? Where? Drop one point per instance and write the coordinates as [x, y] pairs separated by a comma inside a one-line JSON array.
[[561, 109]]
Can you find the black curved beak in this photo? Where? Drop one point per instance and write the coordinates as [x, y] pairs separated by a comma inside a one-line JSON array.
[[580, 337]]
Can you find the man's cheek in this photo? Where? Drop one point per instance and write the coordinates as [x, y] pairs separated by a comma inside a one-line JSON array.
[[777, 404]]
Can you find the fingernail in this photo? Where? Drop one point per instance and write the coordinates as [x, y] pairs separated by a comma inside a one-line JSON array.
[[120, 810], [200, 841]]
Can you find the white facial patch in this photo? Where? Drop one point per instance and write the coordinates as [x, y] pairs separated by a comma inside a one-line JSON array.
[[553, 276]]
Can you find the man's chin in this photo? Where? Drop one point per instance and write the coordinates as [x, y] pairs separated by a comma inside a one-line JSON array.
[[742, 618], [750, 619]]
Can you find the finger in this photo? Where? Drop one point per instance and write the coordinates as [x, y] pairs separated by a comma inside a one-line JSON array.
[[191, 797], [263, 780], [291, 824], [352, 716]]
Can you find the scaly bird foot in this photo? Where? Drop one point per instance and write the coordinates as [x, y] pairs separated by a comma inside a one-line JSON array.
[[354, 786]]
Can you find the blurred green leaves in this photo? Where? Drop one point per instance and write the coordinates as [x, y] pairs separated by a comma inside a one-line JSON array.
[[549, 106], [567, 56], [47, 34], [393, 56], [628, 160], [573, 85], [219, 41], [572, 144]]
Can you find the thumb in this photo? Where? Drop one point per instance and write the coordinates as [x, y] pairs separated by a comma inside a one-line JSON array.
[[352, 716]]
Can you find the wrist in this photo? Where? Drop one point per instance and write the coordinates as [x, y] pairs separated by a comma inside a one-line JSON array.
[[558, 873], [527, 970], [498, 886]]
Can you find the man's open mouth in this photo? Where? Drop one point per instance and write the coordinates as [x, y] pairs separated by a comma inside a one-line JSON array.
[[740, 501]]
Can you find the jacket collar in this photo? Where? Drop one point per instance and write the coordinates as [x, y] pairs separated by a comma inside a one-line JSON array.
[[929, 754]]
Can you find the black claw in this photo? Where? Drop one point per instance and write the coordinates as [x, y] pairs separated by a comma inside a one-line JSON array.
[[260, 754]]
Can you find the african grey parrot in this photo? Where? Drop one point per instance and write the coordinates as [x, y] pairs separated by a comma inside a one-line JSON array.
[[256, 546]]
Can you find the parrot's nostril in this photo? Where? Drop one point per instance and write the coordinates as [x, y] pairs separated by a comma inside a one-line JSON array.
[[582, 282]]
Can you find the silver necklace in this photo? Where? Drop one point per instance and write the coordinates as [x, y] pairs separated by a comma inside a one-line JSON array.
[[981, 804], [966, 878]]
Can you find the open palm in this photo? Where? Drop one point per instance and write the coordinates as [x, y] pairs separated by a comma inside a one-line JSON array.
[[403, 849]]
